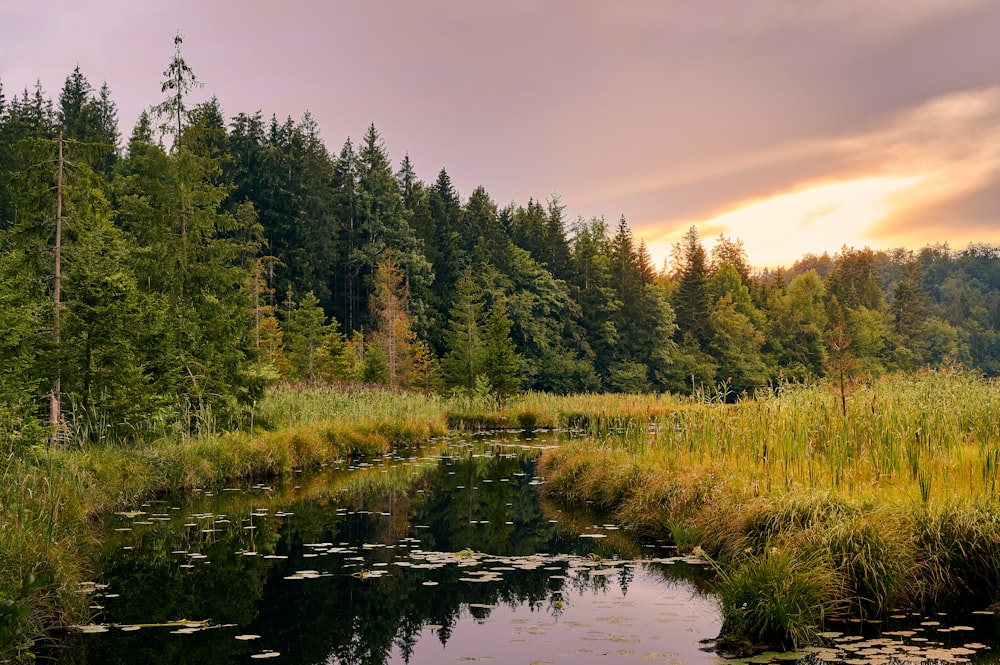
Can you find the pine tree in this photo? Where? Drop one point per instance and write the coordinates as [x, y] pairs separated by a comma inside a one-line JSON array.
[[192, 256], [592, 288], [306, 330], [382, 220], [690, 297], [501, 364], [464, 335]]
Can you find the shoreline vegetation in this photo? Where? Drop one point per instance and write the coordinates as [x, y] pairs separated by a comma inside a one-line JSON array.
[[807, 513]]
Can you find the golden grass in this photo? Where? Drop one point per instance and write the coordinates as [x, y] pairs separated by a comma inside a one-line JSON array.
[[899, 497]]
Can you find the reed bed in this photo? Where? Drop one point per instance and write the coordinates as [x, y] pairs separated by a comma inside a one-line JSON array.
[[588, 412], [894, 504]]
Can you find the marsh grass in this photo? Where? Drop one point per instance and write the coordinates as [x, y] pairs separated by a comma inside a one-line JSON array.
[[780, 593], [897, 500], [892, 504], [594, 414]]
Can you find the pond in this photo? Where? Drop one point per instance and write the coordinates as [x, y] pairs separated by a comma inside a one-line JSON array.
[[447, 557]]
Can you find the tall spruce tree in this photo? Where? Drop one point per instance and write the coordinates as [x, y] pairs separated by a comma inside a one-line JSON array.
[[690, 296], [191, 256], [463, 360]]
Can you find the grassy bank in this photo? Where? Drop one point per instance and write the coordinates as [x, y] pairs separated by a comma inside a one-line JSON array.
[[808, 513], [48, 497]]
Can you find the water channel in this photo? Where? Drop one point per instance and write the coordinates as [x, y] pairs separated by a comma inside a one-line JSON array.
[[451, 556]]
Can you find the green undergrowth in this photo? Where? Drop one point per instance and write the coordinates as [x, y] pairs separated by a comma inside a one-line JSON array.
[[808, 514]]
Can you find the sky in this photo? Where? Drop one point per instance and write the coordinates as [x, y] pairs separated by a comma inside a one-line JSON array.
[[796, 127]]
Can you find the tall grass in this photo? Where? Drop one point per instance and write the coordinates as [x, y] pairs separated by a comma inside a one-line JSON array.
[[591, 413], [897, 499]]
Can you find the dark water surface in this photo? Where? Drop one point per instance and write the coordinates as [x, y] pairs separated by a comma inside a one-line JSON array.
[[447, 558], [450, 557]]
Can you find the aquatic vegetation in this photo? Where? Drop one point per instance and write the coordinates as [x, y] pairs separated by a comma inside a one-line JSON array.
[[781, 594]]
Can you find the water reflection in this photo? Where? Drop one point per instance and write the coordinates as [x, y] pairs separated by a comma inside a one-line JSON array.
[[449, 558], [441, 558]]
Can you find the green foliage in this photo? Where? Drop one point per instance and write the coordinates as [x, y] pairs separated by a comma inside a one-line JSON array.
[[464, 334], [779, 598], [628, 377], [501, 364], [375, 366], [690, 297], [177, 253], [314, 348]]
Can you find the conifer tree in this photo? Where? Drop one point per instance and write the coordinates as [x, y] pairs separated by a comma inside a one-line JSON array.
[[305, 333], [690, 297], [393, 333], [193, 257], [501, 364], [463, 362]]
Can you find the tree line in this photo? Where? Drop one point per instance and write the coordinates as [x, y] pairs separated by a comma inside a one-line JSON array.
[[163, 282]]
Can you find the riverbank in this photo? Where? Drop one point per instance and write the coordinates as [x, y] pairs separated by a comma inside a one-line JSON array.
[[807, 512], [49, 497]]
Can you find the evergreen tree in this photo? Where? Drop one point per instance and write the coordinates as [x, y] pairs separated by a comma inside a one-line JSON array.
[[382, 220], [306, 330], [462, 363], [501, 364], [441, 238], [529, 229], [645, 321], [192, 257], [91, 119], [348, 302], [556, 253], [592, 289], [690, 297]]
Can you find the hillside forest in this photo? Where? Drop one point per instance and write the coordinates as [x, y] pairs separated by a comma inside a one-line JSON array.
[[159, 283]]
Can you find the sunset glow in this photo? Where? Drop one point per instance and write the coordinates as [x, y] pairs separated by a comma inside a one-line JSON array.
[[818, 218]]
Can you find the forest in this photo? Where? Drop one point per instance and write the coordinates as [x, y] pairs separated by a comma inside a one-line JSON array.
[[158, 284]]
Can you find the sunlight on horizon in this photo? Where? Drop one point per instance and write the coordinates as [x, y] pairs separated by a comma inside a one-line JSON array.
[[780, 229]]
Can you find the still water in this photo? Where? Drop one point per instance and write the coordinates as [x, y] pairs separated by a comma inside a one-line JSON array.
[[448, 557]]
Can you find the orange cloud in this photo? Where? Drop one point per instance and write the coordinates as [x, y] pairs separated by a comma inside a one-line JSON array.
[[902, 183]]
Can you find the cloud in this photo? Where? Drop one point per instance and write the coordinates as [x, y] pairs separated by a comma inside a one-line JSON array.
[[926, 174]]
